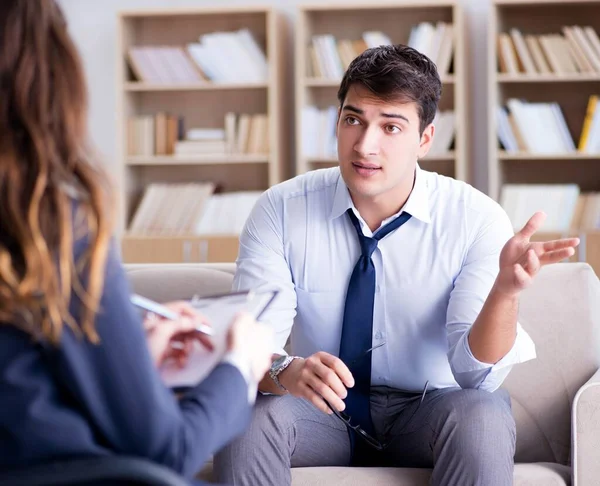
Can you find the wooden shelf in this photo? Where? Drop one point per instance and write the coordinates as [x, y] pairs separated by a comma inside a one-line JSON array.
[[378, 5], [179, 248], [334, 83], [208, 86], [203, 159], [186, 12], [502, 155], [548, 78], [561, 3]]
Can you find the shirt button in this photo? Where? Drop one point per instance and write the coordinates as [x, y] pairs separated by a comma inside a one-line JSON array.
[[377, 289], [378, 335]]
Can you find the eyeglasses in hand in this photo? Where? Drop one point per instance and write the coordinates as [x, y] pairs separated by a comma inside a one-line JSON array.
[[368, 438], [344, 417]]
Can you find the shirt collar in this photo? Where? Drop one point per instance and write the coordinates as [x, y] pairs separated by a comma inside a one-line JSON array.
[[417, 204]]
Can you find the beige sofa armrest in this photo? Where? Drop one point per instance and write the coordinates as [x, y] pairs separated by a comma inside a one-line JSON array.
[[586, 433]]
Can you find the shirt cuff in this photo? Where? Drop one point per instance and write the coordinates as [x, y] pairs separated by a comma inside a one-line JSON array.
[[236, 360], [523, 349]]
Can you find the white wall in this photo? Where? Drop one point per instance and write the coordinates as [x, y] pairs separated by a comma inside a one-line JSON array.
[[93, 25]]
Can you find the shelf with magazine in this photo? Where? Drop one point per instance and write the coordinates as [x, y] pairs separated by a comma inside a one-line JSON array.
[[200, 130], [328, 37], [544, 123]]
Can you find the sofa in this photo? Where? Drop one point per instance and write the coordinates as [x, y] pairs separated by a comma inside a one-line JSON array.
[[555, 398]]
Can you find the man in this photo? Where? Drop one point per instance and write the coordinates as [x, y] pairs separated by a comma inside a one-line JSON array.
[[410, 328]]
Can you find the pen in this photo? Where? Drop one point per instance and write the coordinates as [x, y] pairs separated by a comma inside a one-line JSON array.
[[161, 310]]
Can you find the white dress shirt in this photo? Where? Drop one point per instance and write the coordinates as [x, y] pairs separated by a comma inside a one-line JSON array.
[[433, 275]]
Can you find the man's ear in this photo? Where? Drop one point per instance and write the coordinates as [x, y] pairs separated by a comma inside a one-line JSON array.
[[337, 122], [426, 140]]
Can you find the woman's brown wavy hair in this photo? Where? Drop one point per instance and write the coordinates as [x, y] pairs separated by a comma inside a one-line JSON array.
[[47, 173]]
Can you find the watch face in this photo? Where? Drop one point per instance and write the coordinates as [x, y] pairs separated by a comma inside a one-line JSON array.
[[278, 362]]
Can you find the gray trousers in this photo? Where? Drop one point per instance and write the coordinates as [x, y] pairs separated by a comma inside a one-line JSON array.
[[466, 436]]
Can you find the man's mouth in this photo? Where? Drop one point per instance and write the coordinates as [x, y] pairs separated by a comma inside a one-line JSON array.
[[365, 168]]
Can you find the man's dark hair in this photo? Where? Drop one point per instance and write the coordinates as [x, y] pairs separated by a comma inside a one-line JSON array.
[[396, 73]]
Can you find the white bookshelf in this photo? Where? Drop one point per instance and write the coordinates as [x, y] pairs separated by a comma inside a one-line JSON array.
[[570, 90], [349, 21], [202, 104]]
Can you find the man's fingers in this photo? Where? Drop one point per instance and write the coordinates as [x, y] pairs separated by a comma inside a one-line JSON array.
[[315, 399], [534, 223], [329, 377], [556, 256], [337, 365], [532, 262], [323, 390], [560, 244], [521, 276]]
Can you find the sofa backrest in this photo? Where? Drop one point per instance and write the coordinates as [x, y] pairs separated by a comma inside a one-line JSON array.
[[561, 312], [180, 281]]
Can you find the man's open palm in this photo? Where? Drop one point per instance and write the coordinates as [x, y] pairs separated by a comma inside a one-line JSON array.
[[521, 259]]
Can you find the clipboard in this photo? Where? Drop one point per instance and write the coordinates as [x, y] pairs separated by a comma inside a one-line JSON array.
[[253, 302], [220, 311]]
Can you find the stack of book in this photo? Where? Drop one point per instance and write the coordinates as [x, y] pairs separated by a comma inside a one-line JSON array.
[[191, 209], [318, 132], [445, 129], [164, 134], [329, 58], [163, 65], [567, 209], [436, 42], [153, 135], [220, 57], [577, 50], [540, 128], [536, 128]]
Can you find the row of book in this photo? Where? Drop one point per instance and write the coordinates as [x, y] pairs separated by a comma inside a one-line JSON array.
[[219, 57], [540, 128], [191, 209], [329, 58], [568, 210], [164, 134], [319, 132], [537, 128], [577, 50], [436, 42]]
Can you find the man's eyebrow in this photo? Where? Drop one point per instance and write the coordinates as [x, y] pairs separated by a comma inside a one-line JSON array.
[[354, 109]]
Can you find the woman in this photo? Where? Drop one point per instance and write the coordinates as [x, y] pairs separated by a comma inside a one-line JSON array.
[[77, 368]]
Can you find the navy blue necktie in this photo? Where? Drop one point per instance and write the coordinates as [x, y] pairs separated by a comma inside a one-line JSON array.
[[357, 327]]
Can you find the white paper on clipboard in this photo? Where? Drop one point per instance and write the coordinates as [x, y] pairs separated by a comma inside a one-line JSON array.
[[219, 311]]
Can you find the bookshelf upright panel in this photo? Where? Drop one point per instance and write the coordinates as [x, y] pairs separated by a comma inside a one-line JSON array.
[[198, 101], [316, 88]]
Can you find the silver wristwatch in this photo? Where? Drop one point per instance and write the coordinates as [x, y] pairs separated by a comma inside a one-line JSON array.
[[278, 366]]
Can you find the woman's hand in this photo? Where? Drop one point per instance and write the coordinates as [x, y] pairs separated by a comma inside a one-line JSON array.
[[175, 340], [252, 341]]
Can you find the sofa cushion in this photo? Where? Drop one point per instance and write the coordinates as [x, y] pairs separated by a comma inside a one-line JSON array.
[[540, 474]]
